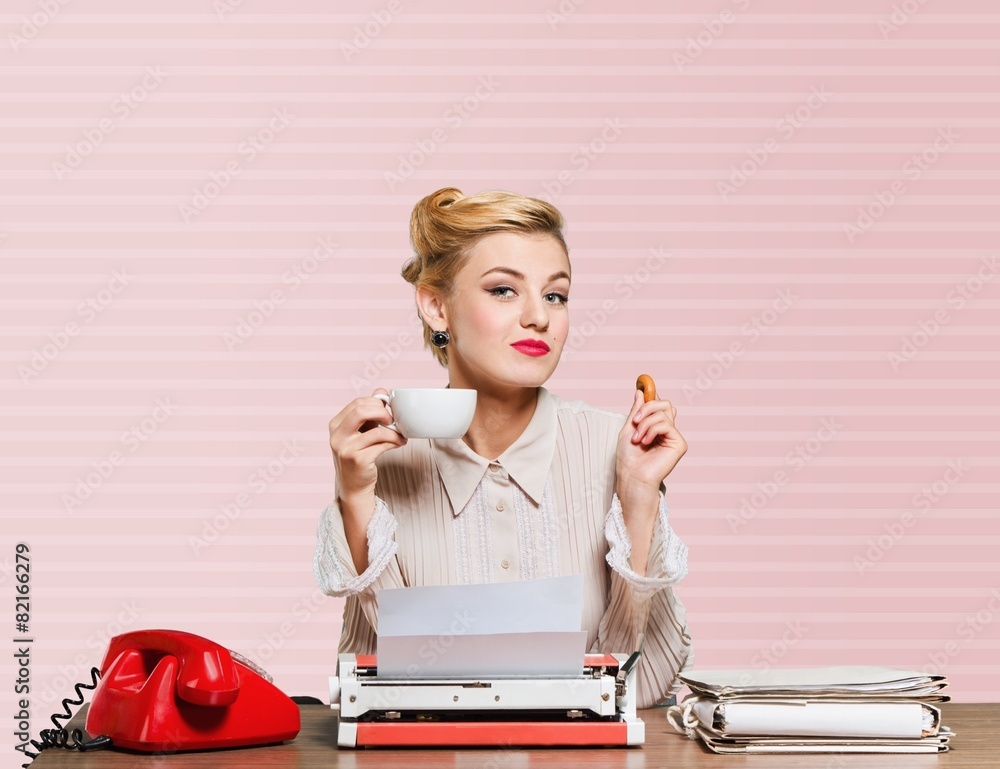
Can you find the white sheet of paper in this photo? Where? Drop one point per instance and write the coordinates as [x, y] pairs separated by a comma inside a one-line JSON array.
[[529, 627], [493, 655]]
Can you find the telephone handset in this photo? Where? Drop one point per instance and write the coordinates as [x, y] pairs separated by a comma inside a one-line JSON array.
[[167, 690]]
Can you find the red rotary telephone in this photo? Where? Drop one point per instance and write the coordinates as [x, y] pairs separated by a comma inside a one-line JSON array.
[[166, 690]]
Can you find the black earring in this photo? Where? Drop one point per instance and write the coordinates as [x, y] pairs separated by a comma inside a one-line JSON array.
[[440, 339]]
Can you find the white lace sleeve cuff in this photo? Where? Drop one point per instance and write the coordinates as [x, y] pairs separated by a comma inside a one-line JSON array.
[[332, 563], [668, 555]]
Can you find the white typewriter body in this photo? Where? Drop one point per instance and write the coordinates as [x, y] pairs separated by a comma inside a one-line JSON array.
[[594, 708]]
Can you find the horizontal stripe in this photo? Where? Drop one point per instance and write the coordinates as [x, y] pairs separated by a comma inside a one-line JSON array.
[[307, 149], [195, 462], [245, 17], [561, 97], [597, 122], [742, 202], [510, 45], [155, 567], [813, 593], [49, 281], [222, 435], [578, 71], [724, 332]]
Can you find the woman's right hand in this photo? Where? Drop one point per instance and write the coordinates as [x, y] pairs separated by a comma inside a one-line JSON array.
[[357, 439]]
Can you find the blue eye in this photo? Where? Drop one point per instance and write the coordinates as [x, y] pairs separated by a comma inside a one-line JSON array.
[[501, 291], [560, 298]]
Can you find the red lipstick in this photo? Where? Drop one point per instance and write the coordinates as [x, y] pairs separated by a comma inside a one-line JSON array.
[[533, 347]]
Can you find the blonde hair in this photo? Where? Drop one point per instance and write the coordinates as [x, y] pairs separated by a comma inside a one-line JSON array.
[[445, 225]]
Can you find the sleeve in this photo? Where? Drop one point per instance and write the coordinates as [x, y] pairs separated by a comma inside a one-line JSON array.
[[668, 555], [644, 610], [334, 568]]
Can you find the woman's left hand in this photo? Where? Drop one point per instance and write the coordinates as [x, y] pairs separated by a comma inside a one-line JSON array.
[[649, 445]]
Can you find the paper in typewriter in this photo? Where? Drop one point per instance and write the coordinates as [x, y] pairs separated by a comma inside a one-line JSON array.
[[508, 629]]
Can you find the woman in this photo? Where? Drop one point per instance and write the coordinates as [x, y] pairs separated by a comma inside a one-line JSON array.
[[538, 486]]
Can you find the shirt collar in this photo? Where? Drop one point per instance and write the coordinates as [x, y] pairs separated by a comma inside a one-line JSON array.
[[527, 460]]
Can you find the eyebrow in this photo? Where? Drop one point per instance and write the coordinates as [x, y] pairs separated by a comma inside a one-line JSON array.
[[515, 274]]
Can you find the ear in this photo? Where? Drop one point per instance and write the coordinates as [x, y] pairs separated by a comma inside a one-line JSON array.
[[432, 309]]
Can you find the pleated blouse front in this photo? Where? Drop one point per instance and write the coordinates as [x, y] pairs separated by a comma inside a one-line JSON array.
[[545, 507]]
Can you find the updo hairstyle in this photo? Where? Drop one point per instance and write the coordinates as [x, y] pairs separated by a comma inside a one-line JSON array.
[[445, 225]]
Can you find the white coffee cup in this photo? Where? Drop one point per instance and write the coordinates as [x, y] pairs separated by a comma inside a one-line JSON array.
[[430, 413]]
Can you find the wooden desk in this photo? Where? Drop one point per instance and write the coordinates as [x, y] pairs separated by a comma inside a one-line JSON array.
[[975, 746]]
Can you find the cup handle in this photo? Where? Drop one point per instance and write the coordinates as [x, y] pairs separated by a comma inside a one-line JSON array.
[[386, 399]]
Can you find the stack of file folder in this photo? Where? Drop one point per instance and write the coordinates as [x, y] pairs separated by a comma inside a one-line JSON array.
[[848, 709]]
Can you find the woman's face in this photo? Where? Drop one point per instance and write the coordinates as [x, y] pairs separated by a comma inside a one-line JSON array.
[[507, 313]]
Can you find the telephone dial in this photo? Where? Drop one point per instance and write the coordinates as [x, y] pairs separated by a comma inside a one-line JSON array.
[[166, 690]]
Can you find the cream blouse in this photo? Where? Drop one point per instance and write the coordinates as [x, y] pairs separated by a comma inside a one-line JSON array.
[[545, 507]]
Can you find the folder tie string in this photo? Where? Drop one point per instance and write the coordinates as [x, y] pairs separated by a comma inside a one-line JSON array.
[[682, 717]]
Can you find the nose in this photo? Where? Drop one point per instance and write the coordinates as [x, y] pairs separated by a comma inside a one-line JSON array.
[[535, 313]]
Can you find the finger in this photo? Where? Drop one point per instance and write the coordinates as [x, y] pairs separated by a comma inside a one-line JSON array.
[[378, 436], [652, 425], [386, 409], [359, 461], [351, 445], [366, 414], [629, 425], [665, 434], [636, 404], [645, 409], [667, 413], [346, 413]]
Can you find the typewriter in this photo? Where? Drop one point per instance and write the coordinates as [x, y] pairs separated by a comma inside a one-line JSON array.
[[594, 708]]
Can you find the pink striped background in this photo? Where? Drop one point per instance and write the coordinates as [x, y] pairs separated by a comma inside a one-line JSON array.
[[832, 372]]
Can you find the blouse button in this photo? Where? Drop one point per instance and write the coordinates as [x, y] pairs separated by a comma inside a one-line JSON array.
[[500, 505], [494, 467], [505, 563]]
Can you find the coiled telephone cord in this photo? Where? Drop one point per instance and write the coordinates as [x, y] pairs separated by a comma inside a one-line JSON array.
[[60, 737]]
